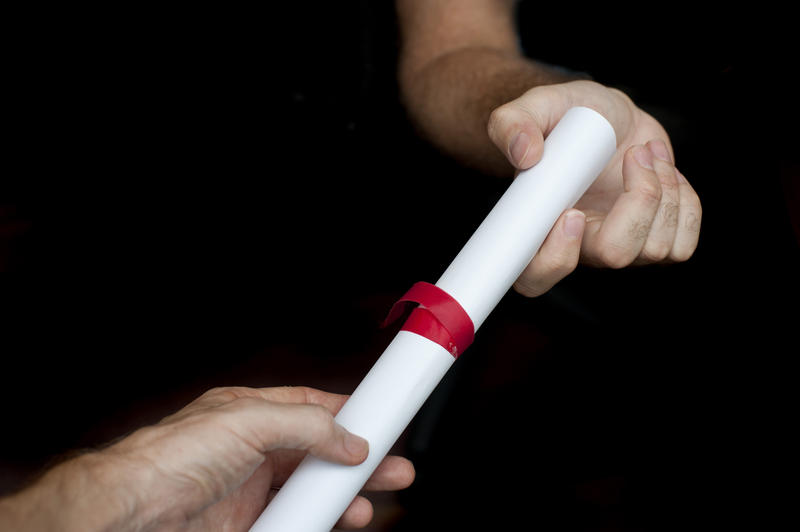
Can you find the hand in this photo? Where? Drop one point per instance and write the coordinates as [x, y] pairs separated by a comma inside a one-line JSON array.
[[210, 466], [218, 457], [640, 210]]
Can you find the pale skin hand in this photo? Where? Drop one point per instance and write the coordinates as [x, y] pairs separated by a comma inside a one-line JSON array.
[[210, 466], [470, 91], [640, 210]]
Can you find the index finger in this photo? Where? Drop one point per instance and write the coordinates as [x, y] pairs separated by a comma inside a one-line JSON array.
[[303, 395], [619, 237], [280, 394]]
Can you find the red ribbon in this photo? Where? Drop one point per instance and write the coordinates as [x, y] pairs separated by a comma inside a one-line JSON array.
[[439, 317]]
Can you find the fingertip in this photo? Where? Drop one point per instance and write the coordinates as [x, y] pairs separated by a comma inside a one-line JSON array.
[[356, 446], [518, 148], [660, 150], [525, 149], [358, 514], [408, 474], [535, 151], [516, 133], [393, 473], [574, 224], [643, 156], [557, 257], [341, 446]]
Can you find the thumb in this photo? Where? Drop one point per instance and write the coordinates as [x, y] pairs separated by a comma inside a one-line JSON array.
[[518, 128], [296, 426]]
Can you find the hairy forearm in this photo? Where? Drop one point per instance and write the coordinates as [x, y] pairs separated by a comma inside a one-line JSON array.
[[449, 100], [81, 494]]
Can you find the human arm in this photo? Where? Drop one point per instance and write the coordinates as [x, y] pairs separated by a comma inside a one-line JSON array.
[[209, 466], [459, 61], [471, 92]]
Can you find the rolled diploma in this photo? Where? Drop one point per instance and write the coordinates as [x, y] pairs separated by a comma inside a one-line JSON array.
[[575, 152]]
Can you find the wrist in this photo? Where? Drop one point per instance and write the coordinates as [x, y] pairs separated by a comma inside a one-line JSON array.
[[89, 493], [77, 495], [108, 503], [450, 99]]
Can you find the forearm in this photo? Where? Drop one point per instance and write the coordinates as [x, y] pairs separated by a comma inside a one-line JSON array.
[[82, 494], [449, 99]]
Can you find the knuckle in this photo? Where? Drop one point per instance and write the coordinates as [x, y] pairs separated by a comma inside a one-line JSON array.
[[323, 427], [692, 219], [619, 94], [666, 177], [669, 214], [320, 417], [221, 393], [615, 256], [498, 121], [681, 255], [245, 403], [555, 264], [303, 391], [650, 191], [528, 289], [638, 231], [655, 251], [547, 270]]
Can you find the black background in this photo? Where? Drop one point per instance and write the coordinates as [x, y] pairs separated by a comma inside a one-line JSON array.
[[208, 198]]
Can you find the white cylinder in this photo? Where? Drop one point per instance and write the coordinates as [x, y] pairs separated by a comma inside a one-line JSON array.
[[386, 400], [383, 404], [574, 154]]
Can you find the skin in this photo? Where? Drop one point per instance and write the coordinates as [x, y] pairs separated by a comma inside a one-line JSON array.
[[210, 466], [471, 92]]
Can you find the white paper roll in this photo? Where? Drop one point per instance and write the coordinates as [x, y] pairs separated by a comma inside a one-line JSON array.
[[383, 404], [575, 153], [318, 492]]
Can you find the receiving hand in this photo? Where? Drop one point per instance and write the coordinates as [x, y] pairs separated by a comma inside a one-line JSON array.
[[210, 466], [640, 210]]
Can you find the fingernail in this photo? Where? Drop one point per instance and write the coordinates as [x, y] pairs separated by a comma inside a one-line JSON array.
[[643, 156], [355, 445], [660, 150], [519, 147], [573, 225]]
